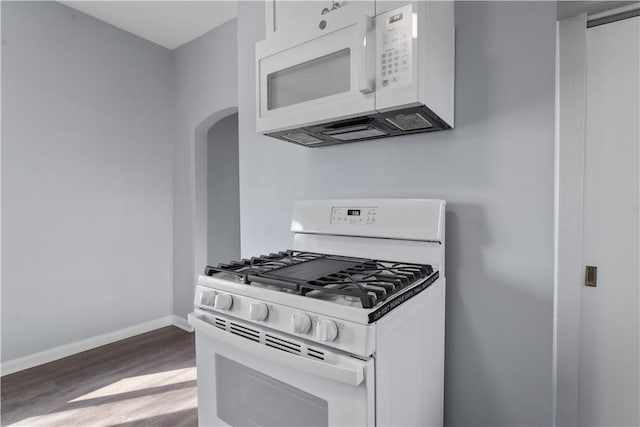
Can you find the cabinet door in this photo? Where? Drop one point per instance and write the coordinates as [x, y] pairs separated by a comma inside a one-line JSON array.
[[283, 15]]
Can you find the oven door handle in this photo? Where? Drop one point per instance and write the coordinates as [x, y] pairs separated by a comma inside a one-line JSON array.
[[349, 370]]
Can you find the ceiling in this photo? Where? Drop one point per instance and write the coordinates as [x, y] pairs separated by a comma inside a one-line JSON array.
[[167, 23], [174, 23], [568, 9]]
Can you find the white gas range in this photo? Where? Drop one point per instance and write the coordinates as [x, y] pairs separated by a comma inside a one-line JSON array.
[[345, 329]]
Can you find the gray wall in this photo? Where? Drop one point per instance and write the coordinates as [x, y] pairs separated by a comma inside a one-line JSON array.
[[86, 178], [205, 90], [496, 172], [86, 191], [223, 197]]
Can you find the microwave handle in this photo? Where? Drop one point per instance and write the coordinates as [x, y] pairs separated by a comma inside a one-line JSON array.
[[351, 375], [368, 74]]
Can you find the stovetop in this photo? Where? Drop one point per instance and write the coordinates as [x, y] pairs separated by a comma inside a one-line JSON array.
[[350, 281]]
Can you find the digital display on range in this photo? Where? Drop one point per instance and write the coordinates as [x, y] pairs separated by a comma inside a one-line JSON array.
[[395, 18], [353, 212]]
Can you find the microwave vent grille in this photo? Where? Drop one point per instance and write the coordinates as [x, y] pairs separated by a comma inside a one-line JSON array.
[[302, 138], [366, 132], [406, 122]]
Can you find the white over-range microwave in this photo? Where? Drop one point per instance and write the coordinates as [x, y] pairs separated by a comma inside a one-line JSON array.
[[363, 70]]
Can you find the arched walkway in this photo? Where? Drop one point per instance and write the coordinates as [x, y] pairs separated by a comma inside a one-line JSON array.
[[223, 192], [201, 196]]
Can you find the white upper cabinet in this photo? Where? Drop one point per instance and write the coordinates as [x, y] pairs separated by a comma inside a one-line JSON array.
[[288, 16]]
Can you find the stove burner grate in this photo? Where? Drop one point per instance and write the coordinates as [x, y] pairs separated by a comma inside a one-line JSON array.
[[306, 273]]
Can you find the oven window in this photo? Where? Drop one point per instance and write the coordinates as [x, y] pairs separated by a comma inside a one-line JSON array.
[[320, 77], [246, 397]]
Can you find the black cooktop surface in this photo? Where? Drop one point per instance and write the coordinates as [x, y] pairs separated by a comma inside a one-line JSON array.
[[362, 280]]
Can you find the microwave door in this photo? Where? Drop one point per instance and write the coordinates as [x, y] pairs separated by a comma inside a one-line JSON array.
[[326, 71]]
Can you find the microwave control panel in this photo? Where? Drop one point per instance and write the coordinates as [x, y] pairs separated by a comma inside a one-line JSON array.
[[394, 62], [363, 216]]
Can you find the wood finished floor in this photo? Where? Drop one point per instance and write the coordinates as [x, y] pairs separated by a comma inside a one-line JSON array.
[[146, 380]]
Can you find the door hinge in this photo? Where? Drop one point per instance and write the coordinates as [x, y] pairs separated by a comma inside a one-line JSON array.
[[591, 276]]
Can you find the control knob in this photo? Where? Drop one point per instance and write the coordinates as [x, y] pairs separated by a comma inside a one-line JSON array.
[[223, 302], [258, 311], [300, 323], [207, 298], [327, 330]]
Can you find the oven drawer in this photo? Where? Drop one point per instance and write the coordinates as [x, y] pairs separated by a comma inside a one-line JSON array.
[[249, 379]]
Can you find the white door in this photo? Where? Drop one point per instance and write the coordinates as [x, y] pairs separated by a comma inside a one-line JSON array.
[[608, 382]]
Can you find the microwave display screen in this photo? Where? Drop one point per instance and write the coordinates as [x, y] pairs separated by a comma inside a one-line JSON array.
[[323, 76], [353, 212]]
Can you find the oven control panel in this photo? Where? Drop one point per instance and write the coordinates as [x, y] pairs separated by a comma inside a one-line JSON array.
[[354, 215], [343, 335]]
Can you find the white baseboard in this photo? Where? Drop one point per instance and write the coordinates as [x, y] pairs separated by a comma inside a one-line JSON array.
[[56, 353], [180, 322]]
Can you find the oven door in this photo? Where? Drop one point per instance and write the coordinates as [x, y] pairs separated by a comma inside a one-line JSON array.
[[324, 70], [252, 377]]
